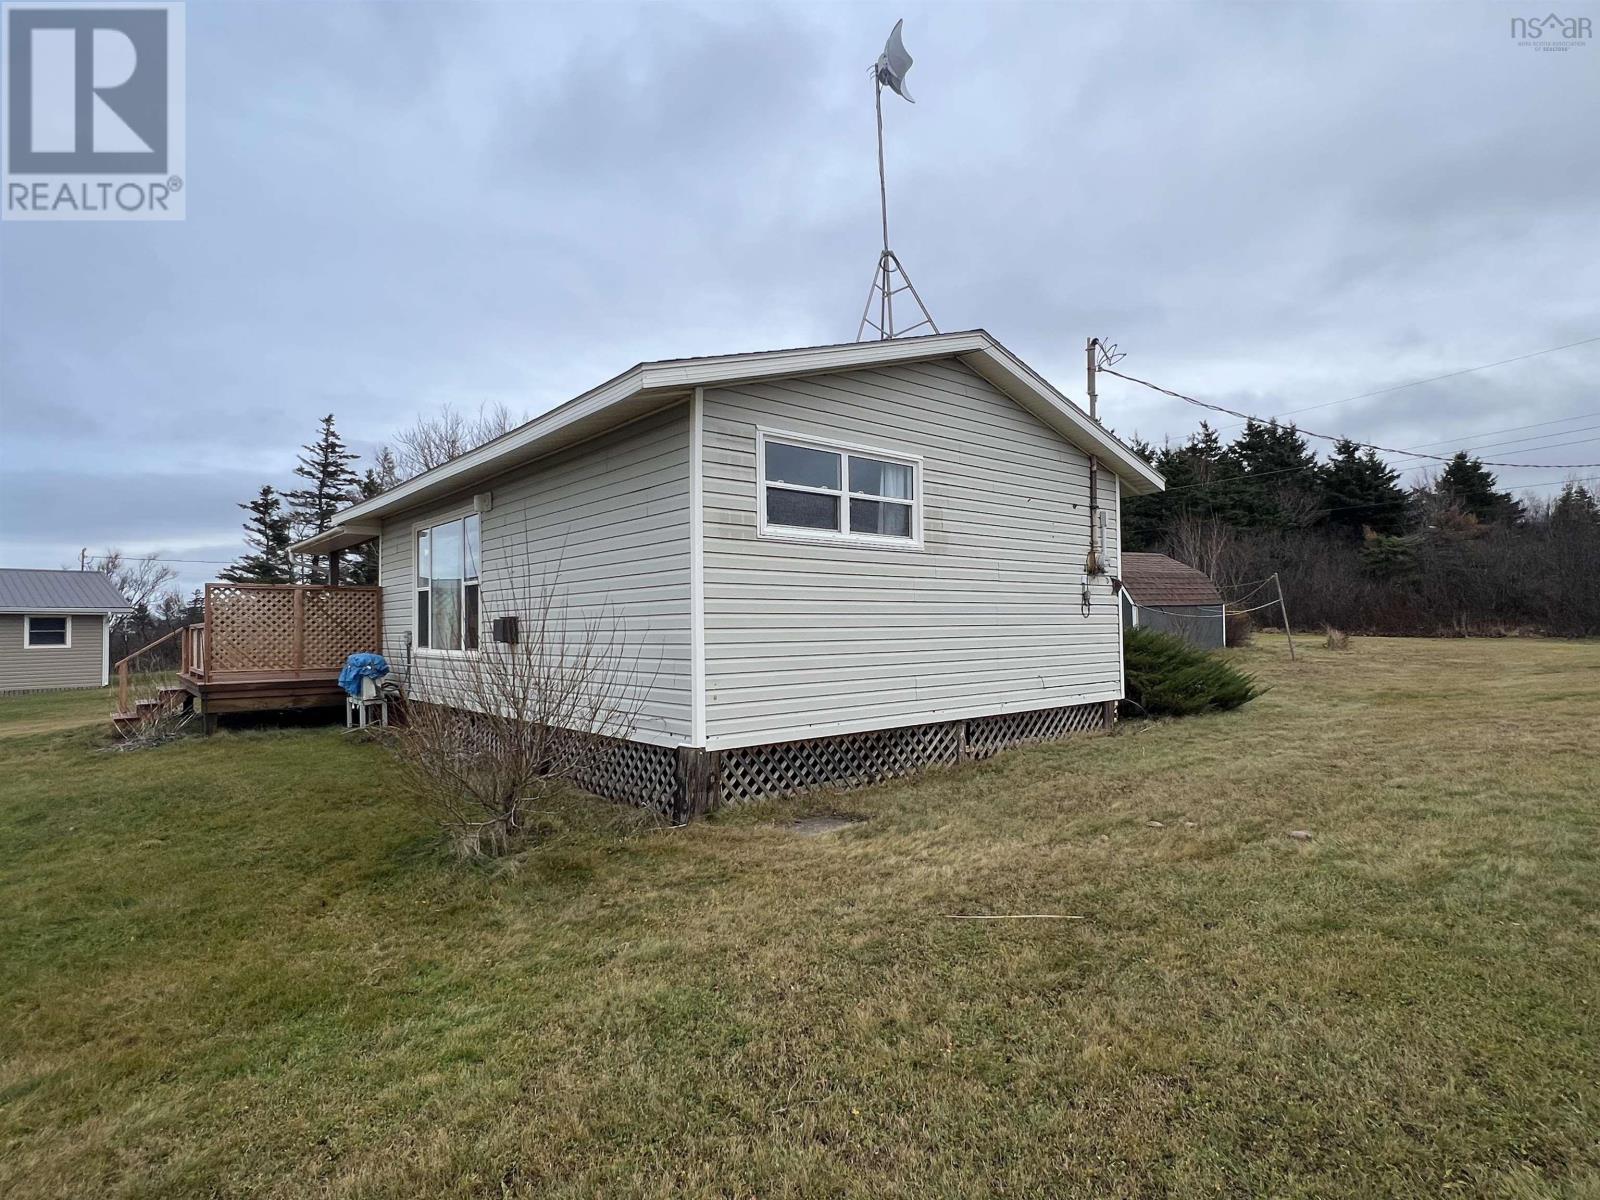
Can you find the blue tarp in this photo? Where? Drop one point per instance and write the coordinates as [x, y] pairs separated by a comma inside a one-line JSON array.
[[362, 666]]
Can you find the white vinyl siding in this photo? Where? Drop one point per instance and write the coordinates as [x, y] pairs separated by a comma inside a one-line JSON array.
[[608, 520], [807, 639]]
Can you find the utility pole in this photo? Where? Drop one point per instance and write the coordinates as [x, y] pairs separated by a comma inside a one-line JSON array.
[[1284, 609], [83, 559], [1091, 355], [1096, 563]]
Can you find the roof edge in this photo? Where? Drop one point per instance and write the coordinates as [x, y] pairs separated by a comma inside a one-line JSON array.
[[672, 377]]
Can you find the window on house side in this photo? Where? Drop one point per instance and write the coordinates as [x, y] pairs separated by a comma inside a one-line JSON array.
[[842, 493], [448, 556], [47, 631]]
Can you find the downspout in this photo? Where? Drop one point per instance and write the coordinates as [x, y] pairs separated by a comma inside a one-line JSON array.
[[1095, 564]]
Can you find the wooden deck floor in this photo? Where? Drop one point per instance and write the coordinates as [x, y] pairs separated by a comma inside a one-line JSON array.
[[262, 691]]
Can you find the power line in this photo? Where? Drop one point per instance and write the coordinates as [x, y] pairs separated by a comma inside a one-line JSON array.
[[1436, 378], [1538, 483], [1562, 440], [1514, 429], [1254, 476], [1329, 437], [208, 562]]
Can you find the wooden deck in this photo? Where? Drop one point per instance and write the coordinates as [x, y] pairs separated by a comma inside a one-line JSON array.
[[264, 647], [262, 691]]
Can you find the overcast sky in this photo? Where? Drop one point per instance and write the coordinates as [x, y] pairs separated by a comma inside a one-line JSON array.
[[395, 205]]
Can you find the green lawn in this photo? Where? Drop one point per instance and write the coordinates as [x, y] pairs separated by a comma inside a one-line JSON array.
[[241, 967]]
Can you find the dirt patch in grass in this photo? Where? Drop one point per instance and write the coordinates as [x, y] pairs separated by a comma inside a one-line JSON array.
[[241, 966], [821, 825]]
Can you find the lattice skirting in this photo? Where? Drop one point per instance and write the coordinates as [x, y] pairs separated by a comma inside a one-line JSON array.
[[683, 782], [634, 773]]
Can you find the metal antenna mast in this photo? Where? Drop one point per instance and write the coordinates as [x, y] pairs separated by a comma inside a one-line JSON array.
[[889, 278]]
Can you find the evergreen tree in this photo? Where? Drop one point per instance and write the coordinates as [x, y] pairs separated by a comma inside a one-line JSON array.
[[362, 562], [1469, 486], [1278, 484], [266, 532], [1575, 508], [1143, 517], [331, 485], [383, 474], [1206, 479], [1360, 490]]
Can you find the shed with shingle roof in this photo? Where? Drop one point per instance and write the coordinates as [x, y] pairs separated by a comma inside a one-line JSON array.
[[1159, 592]]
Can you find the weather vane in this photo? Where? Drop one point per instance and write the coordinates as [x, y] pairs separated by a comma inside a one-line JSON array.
[[889, 279]]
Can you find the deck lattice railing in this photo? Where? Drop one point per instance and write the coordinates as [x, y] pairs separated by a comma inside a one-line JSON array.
[[261, 627]]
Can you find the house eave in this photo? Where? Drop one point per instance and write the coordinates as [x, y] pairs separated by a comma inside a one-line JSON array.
[[650, 386]]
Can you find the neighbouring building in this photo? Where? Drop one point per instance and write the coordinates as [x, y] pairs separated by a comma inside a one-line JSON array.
[[1162, 593], [55, 629], [828, 565]]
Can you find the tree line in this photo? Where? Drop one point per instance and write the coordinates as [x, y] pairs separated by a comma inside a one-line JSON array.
[[331, 481], [329, 478], [1356, 549]]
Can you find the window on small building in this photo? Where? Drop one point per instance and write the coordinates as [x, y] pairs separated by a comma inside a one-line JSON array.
[[448, 557], [47, 631], [815, 490]]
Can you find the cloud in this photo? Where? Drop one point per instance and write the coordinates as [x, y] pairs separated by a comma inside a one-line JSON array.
[[396, 206]]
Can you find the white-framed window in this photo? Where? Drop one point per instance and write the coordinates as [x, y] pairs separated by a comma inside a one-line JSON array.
[[812, 488], [42, 632], [448, 556]]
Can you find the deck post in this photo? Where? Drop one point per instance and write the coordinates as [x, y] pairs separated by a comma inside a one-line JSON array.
[[297, 635], [206, 640], [699, 783], [1108, 715]]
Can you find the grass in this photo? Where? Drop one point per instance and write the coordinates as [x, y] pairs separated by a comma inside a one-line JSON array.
[[49, 712], [240, 966]]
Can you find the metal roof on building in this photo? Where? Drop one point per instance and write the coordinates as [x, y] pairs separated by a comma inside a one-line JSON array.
[[30, 591]]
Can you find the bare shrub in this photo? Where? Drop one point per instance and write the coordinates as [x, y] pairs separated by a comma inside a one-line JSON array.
[[1335, 639], [490, 734], [1239, 628], [432, 441], [1204, 543]]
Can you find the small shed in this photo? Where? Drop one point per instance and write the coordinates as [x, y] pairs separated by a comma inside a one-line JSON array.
[[1162, 593], [55, 629]]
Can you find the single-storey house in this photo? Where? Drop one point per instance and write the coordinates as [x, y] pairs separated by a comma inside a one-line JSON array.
[[827, 565], [1162, 593], [55, 629]]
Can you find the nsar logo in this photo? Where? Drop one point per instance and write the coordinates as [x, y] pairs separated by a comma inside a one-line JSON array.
[[1551, 32]]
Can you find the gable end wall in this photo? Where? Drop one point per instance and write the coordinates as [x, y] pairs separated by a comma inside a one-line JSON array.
[[805, 640]]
